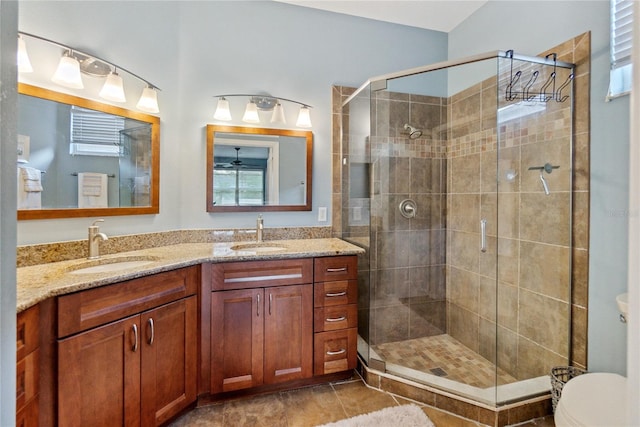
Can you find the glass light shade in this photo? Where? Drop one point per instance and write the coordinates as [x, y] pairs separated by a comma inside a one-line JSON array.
[[113, 89], [304, 118], [251, 113], [222, 110], [68, 73], [24, 64], [148, 101], [278, 114]]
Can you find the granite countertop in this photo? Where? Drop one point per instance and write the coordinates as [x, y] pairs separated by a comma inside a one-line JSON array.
[[39, 282]]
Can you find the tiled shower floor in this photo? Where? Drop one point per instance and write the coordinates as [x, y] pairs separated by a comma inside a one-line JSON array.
[[446, 357]]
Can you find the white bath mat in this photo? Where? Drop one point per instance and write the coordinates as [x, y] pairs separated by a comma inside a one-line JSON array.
[[405, 416]]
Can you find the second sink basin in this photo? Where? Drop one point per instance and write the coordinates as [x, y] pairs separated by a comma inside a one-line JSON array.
[[110, 265], [258, 247]]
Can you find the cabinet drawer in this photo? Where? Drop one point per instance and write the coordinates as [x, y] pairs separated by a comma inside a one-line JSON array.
[[27, 378], [27, 331], [335, 293], [335, 317], [335, 351], [29, 415], [94, 307], [335, 268], [259, 274]]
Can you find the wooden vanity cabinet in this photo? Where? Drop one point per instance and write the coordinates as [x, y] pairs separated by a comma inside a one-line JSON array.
[[27, 367], [261, 323], [335, 314], [127, 353]]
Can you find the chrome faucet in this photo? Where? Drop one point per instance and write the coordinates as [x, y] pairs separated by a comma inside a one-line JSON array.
[[94, 237], [259, 228]]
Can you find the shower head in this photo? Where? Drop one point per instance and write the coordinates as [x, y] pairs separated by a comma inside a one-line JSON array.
[[413, 132]]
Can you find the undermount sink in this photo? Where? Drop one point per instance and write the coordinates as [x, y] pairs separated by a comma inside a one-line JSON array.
[[258, 247], [110, 265]]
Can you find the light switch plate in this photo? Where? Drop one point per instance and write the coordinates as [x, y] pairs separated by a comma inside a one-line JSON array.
[[322, 214]]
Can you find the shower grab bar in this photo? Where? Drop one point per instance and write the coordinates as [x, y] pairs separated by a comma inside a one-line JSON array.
[[335, 294], [483, 235], [335, 353]]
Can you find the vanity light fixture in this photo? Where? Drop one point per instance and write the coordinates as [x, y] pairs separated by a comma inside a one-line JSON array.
[[259, 103], [24, 65], [74, 63]]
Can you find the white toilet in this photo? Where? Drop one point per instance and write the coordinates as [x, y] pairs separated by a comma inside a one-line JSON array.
[[598, 399]]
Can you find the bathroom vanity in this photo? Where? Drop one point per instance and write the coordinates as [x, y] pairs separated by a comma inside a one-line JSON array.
[[187, 325]]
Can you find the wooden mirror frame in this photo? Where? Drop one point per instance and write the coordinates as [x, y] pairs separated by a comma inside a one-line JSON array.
[[307, 135], [153, 208]]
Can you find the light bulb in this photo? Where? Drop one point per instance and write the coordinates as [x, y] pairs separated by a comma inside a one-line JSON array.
[[24, 64], [222, 110], [304, 118], [113, 89], [68, 73], [148, 100], [278, 114], [251, 113]]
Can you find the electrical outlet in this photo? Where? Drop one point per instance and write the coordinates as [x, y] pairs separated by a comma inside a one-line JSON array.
[[322, 214]]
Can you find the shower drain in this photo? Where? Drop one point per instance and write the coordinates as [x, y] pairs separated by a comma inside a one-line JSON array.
[[438, 372]]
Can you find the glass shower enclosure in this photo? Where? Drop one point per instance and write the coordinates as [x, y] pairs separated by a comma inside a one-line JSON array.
[[456, 180]]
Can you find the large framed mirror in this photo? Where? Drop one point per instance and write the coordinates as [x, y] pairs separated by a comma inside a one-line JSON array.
[[258, 169], [82, 158]]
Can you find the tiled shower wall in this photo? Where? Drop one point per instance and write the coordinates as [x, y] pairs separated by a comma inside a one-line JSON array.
[[402, 305], [528, 231]]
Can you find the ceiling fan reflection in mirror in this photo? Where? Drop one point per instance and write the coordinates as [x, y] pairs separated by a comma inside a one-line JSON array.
[[235, 164]]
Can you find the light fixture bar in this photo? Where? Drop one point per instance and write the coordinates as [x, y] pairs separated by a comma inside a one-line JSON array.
[[264, 96], [73, 49]]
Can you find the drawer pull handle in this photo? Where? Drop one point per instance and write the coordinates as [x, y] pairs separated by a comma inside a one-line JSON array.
[[336, 294], [135, 337], [336, 270], [335, 353], [270, 302], [258, 306], [153, 331], [336, 319]]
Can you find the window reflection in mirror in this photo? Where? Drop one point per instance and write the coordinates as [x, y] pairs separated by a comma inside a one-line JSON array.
[[82, 158], [258, 169]]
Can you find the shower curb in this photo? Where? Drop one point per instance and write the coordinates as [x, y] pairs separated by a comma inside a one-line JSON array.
[[505, 415]]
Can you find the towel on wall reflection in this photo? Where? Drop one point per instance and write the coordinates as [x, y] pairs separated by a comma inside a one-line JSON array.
[[29, 188], [92, 190]]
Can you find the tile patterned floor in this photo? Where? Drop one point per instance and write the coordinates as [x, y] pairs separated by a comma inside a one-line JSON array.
[[444, 356], [313, 406]]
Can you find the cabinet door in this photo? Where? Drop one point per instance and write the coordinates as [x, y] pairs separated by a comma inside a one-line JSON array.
[[237, 335], [169, 360], [288, 333], [99, 376]]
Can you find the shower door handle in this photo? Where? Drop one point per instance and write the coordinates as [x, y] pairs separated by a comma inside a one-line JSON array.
[[483, 235]]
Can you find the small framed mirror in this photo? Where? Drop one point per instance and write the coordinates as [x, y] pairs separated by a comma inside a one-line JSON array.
[[258, 169], [81, 158]]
